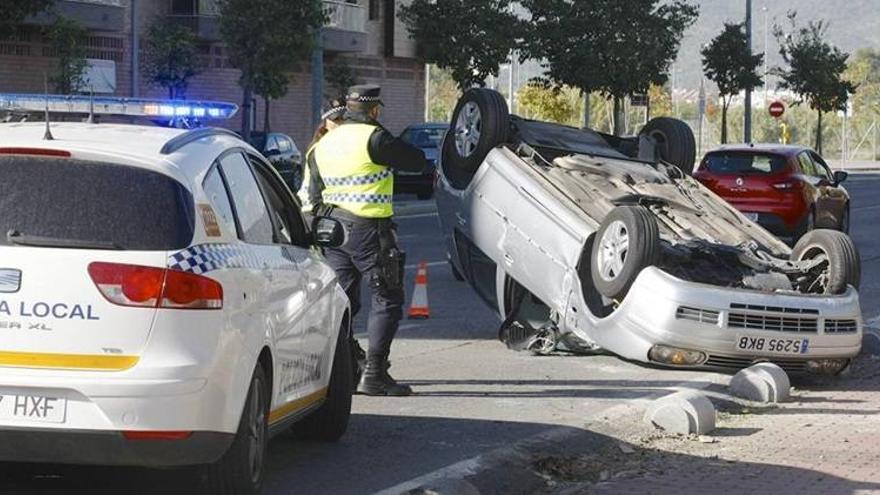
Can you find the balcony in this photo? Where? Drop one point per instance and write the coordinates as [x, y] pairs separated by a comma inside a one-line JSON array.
[[346, 29], [97, 15], [201, 16]]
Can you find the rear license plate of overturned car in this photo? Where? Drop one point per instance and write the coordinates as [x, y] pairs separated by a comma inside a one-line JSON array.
[[770, 345], [32, 408]]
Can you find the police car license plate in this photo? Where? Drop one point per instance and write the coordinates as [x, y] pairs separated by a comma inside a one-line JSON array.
[[770, 345], [15, 407], [751, 216]]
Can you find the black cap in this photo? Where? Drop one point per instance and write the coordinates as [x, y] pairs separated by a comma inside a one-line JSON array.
[[364, 93], [333, 111]]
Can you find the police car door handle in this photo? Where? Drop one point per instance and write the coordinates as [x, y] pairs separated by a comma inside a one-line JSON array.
[[267, 272]]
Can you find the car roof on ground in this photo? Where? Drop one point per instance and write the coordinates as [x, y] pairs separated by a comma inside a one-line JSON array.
[[778, 149]]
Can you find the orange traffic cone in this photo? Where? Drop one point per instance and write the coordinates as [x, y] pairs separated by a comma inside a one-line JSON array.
[[419, 306]]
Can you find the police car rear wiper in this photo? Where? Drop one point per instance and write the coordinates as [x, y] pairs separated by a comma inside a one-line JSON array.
[[17, 238]]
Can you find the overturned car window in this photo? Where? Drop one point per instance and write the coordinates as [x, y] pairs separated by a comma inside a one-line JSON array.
[[744, 163], [84, 203]]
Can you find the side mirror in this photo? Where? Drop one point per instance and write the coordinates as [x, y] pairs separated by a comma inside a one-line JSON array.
[[840, 176], [328, 232], [272, 152]]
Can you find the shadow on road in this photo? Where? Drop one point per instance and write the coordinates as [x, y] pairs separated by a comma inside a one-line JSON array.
[[383, 451]]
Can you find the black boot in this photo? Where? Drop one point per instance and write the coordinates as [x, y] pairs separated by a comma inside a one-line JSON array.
[[377, 381]]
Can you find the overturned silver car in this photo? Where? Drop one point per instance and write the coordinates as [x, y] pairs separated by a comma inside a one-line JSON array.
[[588, 241]]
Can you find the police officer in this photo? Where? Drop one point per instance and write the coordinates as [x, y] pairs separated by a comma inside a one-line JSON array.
[[330, 119], [354, 163]]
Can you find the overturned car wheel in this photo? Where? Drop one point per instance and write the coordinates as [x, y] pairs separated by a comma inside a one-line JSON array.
[[675, 142], [627, 241], [480, 122], [839, 263]]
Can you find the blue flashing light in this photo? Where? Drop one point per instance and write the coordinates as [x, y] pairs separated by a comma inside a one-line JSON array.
[[101, 105]]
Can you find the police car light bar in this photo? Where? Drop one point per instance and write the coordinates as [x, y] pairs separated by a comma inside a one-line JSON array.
[[135, 107]]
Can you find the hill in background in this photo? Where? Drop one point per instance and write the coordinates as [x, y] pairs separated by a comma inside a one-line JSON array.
[[852, 24]]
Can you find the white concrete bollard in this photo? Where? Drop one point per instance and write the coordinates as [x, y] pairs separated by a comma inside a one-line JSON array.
[[683, 412], [762, 382]]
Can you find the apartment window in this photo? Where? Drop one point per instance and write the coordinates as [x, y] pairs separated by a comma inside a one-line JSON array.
[[375, 8], [183, 7]]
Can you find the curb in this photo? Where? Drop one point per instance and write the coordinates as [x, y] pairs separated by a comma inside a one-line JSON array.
[[509, 470]]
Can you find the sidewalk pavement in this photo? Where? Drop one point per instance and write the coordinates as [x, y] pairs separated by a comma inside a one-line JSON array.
[[855, 166], [826, 440]]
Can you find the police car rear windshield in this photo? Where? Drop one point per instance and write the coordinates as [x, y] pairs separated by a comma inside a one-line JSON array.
[[91, 204]]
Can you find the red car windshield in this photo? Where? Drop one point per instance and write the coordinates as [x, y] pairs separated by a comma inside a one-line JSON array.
[[743, 163]]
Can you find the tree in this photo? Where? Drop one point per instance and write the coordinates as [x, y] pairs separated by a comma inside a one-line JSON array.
[[67, 39], [550, 103], [815, 71], [470, 38], [340, 77], [729, 63], [13, 12], [612, 47], [172, 57], [864, 71], [443, 97], [266, 40]]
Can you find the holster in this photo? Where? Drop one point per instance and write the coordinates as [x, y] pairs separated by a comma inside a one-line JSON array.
[[391, 259]]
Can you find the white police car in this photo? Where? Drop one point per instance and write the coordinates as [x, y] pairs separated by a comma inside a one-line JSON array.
[[161, 300]]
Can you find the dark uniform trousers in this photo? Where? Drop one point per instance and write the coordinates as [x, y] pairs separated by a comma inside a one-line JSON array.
[[358, 260]]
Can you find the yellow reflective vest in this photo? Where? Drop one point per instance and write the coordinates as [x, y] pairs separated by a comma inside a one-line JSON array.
[[351, 180]]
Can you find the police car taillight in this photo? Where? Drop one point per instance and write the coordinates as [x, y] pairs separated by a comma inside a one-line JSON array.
[[150, 287]]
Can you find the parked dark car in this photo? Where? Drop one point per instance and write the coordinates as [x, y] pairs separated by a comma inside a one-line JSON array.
[[789, 190], [282, 153], [427, 137]]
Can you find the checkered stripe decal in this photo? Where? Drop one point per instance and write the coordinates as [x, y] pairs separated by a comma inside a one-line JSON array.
[[203, 258], [358, 181], [357, 198]]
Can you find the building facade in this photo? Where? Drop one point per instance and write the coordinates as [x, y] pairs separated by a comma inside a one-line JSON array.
[[365, 35]]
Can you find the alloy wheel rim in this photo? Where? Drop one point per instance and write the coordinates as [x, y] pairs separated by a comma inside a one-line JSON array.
[[468, 127], [613, 250]]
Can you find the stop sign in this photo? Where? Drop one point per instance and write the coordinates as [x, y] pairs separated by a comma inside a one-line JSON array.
[[776, 109]]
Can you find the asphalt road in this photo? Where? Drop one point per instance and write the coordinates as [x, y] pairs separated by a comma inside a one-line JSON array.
[[473, 395]]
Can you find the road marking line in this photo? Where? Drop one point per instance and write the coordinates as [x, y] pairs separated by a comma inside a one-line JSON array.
[[416, 215], [432, 263]]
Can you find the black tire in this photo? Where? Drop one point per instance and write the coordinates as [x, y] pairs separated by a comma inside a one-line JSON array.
[[808, 226], [675, 142], [330, 421], [488, 124], [641, 250], [843, 267], [844, 221], [233, 473]]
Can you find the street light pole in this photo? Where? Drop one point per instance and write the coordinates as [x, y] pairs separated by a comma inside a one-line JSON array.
[[135, 51], [766, 76], [317, 77], [747, 120]]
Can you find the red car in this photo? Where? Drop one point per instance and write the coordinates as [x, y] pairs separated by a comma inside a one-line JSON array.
[[788, 190]]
